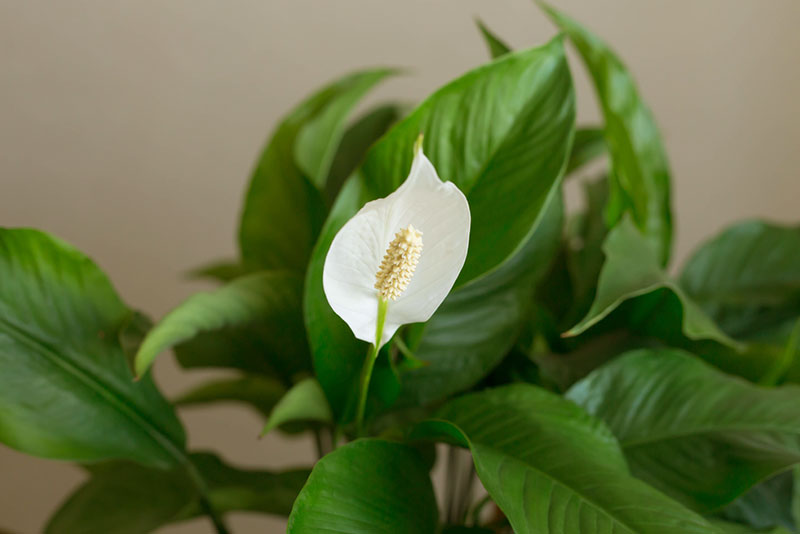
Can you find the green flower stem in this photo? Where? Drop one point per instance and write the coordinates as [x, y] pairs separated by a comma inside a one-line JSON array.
[[369, 363], [205, 503]]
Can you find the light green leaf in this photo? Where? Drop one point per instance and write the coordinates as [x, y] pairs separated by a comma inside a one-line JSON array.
[[66, 390], [283, 209], [590, 143], [259, 392], [552, 468], [367, 486], [502, 133], [304, 402], [697, 434], [259, 313], [632, 270], [640, 177], [495, 45], [747, 278]]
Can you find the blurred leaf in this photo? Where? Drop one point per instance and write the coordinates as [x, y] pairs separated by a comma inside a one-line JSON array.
[[726, 527], [502, 134], [507, 155], [255, 318], [283, 210], [640, 177], [590, 143], [551, 467], [699, 435], [259, 392], [767, 505], [747, 278], [66, 391], [632, 270], [221, 271], [127, 498], [369, 485], [495, 45], [356, 141], [304, 402], [477, 324]]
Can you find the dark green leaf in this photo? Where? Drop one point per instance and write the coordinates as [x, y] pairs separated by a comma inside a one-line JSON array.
[[767, 505], [66, 390], [699, 435], [590, 143], [552, 468], [632, 270], [477, 324], [221, 271], [304, 402], [640, 177], [283, 209], [255, 320], [259, 392], [502, 134], [367, 486], [495, 45], [747, 278]]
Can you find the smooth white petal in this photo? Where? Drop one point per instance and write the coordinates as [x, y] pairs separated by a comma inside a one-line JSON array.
[[440, 211]]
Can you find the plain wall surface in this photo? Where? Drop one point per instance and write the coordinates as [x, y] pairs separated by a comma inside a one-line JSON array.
[[129, 128]]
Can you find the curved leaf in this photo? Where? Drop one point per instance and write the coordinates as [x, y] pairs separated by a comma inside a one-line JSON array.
[[260, 392], [283, 209], [552, 468], [304, 402], [590, 143], [699, 435], [66, 390], [640, 177], [631, 270], [261, 310], [367, 486], [495, 45]]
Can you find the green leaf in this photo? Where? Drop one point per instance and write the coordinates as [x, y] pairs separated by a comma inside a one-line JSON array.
[[259, 392], [495, 45], [551, 467], [66, 390], [127, 498], [477, 324], [259, 313], [220, 271], [304, 402], [697, 434], [356, 141], [507, 154], [747, 278], [283, 208], [632, 270], [767, 505], [640, 177], [726, 527], [590, 143], [502, 133], [367, 486]]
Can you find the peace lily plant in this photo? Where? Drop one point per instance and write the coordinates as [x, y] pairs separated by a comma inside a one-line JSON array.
[[545, 360]]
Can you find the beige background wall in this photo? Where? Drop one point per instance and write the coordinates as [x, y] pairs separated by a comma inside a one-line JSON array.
[[129, 128]]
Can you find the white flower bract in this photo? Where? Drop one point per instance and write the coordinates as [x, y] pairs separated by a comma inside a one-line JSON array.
[[379, 253]]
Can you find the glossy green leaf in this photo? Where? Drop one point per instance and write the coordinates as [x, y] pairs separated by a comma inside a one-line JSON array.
[[477, 324], [127, 498], [502, 133], [66, 390], [367, 486], [495, 45], [259, 392], [640, 177], [697, 434], [283, 209], [304, 402], [747, 278], [507, 154], [631, 270], [590, 144], [552, 468], [257, 317]]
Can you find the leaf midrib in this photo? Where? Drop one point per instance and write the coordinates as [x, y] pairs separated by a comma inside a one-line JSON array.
[[91, 381]]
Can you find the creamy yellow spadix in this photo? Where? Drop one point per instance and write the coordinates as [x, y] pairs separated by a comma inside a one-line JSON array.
[[405, 250]]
